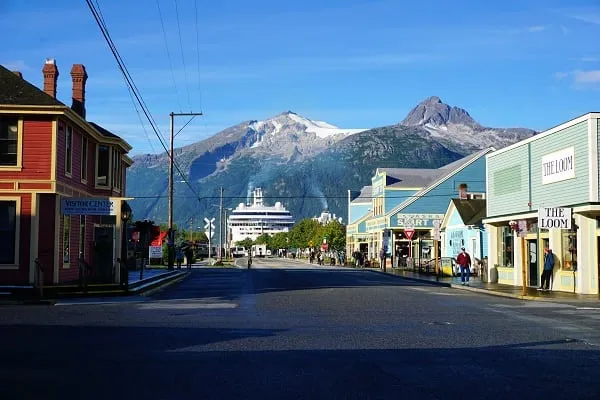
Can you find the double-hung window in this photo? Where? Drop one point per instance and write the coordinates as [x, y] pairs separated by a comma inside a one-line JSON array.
[[9, 141], [102, 165]]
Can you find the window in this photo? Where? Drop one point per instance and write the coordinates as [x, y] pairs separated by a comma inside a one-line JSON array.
[[8, 231], [505, 250], [116, 169], [69, 151], [66, 239], [569, 250], [81, 253], [9, 141], [103, 165], [84, 158]]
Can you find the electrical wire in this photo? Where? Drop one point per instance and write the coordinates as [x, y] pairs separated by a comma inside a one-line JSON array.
[[182, 56], [129, 80], [162, 24]]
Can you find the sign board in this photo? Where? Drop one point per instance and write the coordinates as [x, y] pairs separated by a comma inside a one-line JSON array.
[[386, 239], [558, 166], [210, 233], [409, 233], [554, 218], [436, 229], [88, 206], [155, 252], [523, 228]]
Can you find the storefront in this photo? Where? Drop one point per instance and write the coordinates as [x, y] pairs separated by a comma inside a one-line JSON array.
[[543, 193]]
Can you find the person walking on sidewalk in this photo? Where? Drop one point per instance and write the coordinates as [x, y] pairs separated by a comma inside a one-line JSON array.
[[464, 261], [548, 267]]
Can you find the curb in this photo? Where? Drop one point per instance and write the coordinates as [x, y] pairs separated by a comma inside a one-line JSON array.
[[433, 283], [471, 289]]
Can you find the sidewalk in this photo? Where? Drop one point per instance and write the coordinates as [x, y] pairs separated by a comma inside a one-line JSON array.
[[152, 279], [494, 289]]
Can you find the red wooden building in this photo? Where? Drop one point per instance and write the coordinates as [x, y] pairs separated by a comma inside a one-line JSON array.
[[50, 153]]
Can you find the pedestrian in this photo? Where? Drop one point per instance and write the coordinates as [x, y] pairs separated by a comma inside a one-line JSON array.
[[464, 261], [548, 267], [179, 257], [189, 256]]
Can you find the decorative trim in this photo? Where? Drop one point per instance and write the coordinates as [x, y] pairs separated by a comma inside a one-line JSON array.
[[593, 158], [34, 235], [53, 150], [19, 166]]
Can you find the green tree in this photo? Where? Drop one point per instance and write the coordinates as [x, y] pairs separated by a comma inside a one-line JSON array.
[[265, 239], [335, 233], [303, 232], [279, 241], [246, 243]]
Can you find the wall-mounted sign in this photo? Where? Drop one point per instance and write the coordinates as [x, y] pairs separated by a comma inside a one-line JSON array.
[[554, 218], [558, 166], [414, 220], [88, 206]]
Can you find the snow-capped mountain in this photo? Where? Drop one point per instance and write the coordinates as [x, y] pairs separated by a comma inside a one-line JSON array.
[[455, 128]]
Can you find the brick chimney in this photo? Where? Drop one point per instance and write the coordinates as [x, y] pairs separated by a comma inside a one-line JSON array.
[[18, 73], [462, 191], [50, 72], [79, 77]]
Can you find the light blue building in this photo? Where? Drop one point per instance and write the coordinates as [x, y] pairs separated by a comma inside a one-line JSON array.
[[405, 203], [462, 227]]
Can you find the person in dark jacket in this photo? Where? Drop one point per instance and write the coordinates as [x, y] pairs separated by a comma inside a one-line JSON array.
[[464, 261], [548, 267]]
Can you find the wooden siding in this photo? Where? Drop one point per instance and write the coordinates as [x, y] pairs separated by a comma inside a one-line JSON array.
[[46, 235], [436, 200], [571, 191], [37, 146], [598, 149], [508, 182], [393, 198]]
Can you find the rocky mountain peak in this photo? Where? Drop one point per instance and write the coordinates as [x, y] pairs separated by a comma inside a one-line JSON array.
[[433, 112]]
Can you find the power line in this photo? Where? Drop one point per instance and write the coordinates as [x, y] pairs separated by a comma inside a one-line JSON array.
[[198, 54], [182, 56], [168, 53], [129, 81]]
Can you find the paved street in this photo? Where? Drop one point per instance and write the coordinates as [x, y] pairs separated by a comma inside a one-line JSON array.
[[286, 331]]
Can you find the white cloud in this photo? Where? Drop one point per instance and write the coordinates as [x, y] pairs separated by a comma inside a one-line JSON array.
[[587, 77], [589, 17], [16, 65], [536, 28]]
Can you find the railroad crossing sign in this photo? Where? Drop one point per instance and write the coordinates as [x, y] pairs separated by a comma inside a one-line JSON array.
[[210, 227], [409, 233]]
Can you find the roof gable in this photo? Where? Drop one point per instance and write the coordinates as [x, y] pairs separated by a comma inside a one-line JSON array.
[[471, 211]]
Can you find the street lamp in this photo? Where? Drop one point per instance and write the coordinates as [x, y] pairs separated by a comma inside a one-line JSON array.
[[126, 213]]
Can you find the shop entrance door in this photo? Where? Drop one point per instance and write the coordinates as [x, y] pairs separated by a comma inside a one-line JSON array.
[[532, 258], [103, 254]]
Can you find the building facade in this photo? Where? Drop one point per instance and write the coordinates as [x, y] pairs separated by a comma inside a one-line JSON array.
[[52, 161], [556, 169], [405, 205]]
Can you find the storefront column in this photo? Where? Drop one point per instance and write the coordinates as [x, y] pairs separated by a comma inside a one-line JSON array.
[[519, 258], [492, 237], [587, 271]]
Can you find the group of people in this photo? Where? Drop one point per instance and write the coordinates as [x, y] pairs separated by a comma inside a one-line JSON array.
[[179, 256]]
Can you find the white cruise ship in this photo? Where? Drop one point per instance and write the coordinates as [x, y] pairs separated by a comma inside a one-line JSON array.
[[253, 220]]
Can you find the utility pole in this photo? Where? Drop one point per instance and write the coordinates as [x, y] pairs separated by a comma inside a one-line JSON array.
[[172, 116], [191, 229], [221, 224]]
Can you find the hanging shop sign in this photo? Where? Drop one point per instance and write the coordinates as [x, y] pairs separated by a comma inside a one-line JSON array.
[[554, 218], [558, 166], [88, 206]]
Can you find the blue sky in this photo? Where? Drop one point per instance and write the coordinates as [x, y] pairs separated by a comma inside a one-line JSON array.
[[355, 64]]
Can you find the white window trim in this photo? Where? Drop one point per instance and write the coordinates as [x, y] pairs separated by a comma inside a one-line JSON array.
[[19, 165], [16, 264], [108, 177]]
